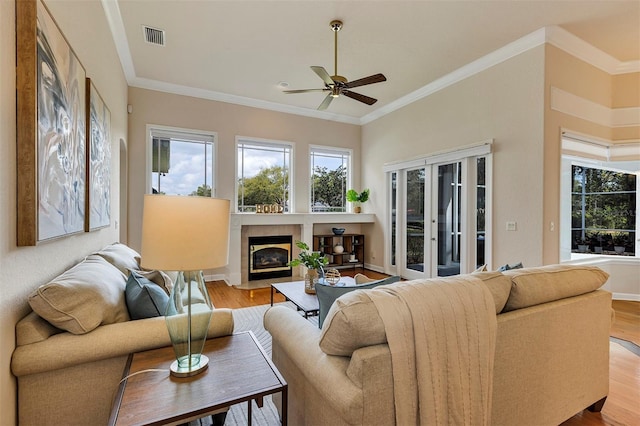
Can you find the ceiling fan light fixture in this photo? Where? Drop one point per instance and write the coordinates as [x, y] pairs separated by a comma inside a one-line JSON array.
[[338, 85]]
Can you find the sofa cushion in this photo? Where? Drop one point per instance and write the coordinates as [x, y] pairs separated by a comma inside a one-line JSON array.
[[327, 294], [84, 297], [145, 299], [533, 286], [499, 285], [121, 256]]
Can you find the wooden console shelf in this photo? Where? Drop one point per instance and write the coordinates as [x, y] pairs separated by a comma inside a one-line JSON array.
[[353, 244]]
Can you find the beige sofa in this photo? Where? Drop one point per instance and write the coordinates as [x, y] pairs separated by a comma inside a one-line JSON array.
[[551, 357], [68, 367]]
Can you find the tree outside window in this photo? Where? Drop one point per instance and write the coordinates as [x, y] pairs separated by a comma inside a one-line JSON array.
[[603, 211], [330, 175], [263, 174]]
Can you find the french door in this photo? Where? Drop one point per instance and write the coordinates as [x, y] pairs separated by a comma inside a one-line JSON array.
[[438, 223]]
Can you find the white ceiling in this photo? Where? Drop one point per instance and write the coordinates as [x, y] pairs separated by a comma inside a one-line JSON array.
[[238, 51]]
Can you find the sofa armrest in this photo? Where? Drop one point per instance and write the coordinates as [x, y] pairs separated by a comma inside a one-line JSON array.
[[108, 341], [327, 374]]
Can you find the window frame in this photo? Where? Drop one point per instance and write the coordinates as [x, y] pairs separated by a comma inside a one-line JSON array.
[[469, 212], [588, 152], [330, 150], [265, 143], [161, 131]]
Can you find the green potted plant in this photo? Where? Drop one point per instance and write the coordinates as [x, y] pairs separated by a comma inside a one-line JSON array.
[[354, 196], [314, 261], [619, 242]]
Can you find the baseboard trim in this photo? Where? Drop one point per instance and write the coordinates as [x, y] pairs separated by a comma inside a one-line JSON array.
[[626, 296]]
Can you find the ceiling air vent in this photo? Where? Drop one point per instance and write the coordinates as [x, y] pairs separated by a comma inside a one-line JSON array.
[[153, 35]]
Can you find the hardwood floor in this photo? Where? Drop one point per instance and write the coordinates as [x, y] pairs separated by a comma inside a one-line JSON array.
[[623, 403]]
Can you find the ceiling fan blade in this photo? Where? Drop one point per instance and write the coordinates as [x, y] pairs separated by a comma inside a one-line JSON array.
[[305, 90], [324, 75], [325, 103], [358, 97], [376, 78]]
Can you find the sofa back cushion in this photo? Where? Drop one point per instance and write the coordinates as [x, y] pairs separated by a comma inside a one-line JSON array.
[[327, 294], [533, 286], [84, 297], [354, 322]]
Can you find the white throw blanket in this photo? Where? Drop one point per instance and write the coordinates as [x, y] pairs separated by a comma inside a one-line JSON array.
[[441, 334]]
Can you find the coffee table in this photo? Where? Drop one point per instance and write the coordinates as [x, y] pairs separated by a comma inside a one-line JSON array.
[[239, 371], [293, 292]]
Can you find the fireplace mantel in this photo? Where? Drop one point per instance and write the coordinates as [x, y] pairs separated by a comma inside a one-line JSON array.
[[240, 219], [306, 221]]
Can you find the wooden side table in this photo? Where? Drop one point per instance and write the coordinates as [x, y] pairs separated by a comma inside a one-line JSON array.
[[239, 371]]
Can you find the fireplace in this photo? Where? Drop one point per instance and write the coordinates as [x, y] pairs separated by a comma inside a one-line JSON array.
[[269, 257]]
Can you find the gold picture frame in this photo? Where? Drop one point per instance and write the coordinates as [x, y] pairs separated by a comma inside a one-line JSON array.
[[51, 129]]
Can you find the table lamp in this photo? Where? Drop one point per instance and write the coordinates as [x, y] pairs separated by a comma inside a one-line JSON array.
[[186, 234]]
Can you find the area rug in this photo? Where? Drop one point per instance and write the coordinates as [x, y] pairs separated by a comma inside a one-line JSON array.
[[246, 319]]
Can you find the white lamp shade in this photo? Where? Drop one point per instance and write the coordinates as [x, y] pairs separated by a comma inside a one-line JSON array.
[[184, 233]]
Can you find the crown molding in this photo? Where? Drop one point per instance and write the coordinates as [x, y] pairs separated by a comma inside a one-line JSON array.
[[579, 48], [212, 95], [114, 19], [512, 49], [553, 35]]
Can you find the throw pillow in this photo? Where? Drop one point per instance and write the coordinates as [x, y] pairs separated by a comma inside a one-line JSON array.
[[498, 284], [533, 286], [145, 299], [159, 277], [482, 268], [508, 267], [121, 256], [328, 294], [84, 297]]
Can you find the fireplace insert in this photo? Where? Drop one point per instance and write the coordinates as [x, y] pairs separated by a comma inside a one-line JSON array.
[[269, 257]]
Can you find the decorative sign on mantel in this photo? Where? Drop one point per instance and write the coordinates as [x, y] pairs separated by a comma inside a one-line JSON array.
[[269, 208]]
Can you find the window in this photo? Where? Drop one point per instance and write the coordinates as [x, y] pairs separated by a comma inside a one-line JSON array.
[[330, 177], [598, 198], [603, 211], [263, 174], [181, 162]]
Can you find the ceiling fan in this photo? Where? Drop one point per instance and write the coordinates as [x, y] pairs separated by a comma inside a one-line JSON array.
[[338, 85]]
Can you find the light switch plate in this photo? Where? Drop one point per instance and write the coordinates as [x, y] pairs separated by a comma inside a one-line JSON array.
[[511, 226]]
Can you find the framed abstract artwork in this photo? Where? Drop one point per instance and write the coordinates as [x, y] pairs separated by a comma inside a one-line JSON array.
[[51, 129], [98, 160]]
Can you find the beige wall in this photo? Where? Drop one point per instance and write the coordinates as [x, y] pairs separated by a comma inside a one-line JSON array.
[[626, 94], [22, 269], [574, 76], [504, 103], [228, 121]]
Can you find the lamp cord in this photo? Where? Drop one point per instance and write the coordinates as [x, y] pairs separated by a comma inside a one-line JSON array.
[[150, 370]]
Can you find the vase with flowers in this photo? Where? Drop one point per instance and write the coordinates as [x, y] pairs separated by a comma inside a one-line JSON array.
[[314, 262]]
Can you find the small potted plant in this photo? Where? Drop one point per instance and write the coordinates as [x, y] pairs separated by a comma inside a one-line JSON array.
[[354, 196], [619, 242], [314, 261], [583, 245]]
